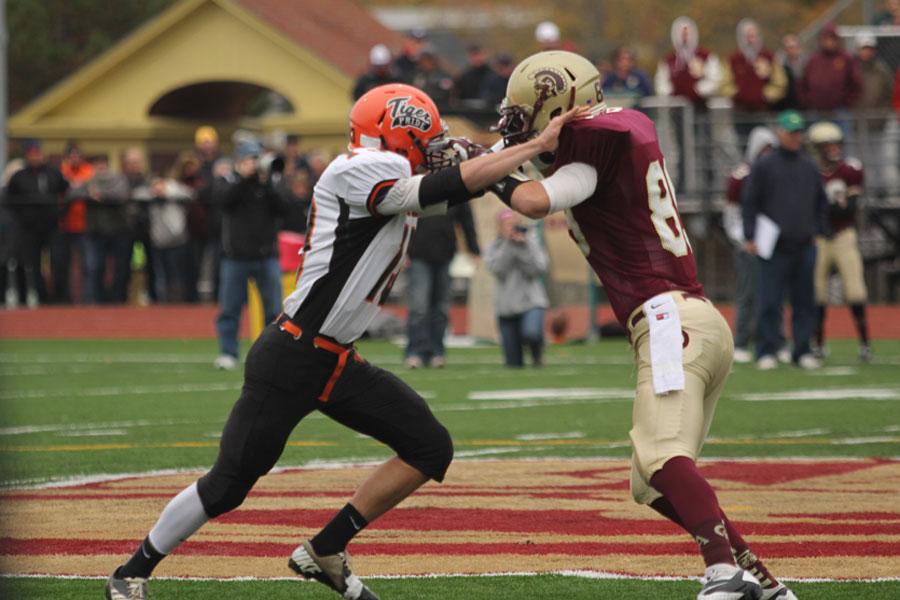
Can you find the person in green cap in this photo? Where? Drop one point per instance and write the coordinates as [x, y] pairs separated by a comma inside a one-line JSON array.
[[786, 187]]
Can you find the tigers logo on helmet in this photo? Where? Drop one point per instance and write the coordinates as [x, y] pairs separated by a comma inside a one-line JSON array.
[[403, 114], [550, 80]]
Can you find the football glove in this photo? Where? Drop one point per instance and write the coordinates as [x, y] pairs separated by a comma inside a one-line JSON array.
[[465, 149]]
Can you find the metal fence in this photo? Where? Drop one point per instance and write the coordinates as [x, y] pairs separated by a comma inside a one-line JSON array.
[[703, 147]]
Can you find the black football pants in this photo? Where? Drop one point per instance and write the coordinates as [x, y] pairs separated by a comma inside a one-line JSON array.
[[283, 380]]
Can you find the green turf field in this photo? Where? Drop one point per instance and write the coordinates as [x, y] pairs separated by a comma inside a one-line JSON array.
[[72, 408]]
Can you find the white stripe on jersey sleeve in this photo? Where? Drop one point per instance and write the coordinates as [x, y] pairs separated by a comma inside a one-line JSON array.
[[368, 172]]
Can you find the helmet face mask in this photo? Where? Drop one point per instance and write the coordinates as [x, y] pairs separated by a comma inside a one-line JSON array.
[[515, 123], [401, 119], [437, 151], [543, 86]]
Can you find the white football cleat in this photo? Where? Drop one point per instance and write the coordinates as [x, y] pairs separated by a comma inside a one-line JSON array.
[[767, 363], [784, 356], [226, 362], [728, 582], [126, 588], [742, 356], [808, 361], [332, 570], [779, 592]]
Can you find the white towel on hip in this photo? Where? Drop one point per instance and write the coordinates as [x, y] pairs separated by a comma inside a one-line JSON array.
[[666, 343]]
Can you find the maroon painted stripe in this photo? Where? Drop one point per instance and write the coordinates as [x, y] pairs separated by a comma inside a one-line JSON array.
[[563, 522], [791, 549]]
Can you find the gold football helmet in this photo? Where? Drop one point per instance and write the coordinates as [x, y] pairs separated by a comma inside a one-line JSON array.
[[826, 138], [543, 86]]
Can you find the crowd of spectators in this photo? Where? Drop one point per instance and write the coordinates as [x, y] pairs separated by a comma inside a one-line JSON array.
[[98, 226], [480, 85], [114, 235], [756, 78]]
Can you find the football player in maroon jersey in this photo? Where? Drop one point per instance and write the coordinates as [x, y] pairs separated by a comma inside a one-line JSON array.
[[839, 249], [610, 177]]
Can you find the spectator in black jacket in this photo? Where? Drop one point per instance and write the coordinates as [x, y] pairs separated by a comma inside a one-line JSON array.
[[470, 85], [428, 283], [34, 195], [493, 88], [249, 251], [380, 71], [786, 187]]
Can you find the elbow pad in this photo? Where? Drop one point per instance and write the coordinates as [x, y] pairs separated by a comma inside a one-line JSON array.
[[571, 184], [445, 185]]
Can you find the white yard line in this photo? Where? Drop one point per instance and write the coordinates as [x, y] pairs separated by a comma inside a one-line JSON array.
[[570, 435], [94, 433], [600, 575], [90, 358], [797, 434], [176, 388], [553, 394], [834, 371], [63, 427], [823, 394], [522, 404]]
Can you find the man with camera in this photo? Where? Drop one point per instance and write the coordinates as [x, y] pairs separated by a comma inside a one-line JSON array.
[[249, 251]]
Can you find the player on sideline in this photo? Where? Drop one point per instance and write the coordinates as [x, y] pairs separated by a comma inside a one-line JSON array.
[[610, 177], [361, 220], [840, 248]]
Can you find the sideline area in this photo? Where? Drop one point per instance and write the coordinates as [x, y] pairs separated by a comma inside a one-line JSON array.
[[196, 321]]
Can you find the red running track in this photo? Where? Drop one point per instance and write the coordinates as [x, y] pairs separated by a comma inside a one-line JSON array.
[[196, 321]]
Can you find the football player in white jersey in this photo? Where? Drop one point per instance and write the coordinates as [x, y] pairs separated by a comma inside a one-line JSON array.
[[362, 216]]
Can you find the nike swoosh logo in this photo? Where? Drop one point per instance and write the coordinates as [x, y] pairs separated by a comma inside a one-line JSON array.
[[354, 523], [144, 552]]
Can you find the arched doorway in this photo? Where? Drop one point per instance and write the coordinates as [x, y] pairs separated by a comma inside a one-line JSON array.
[[227, 105], [220, 101]]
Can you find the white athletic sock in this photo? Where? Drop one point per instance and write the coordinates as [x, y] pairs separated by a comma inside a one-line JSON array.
[[181, 517]]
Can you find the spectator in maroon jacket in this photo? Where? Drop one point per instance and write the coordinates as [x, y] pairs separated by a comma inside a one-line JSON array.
[[753, 79], [832, 81], [688, 70], [692, 72]]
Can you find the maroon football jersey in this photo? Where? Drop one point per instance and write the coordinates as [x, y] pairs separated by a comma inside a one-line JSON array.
[[630, 229], [843, 181]]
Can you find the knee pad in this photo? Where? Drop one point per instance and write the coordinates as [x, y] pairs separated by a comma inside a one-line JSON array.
[[221, 494], [433, 454]]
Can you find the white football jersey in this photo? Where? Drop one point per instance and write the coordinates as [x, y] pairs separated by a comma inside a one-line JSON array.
[[352, 254]]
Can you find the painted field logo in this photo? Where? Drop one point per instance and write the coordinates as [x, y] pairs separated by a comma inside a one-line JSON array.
[[835, 519]]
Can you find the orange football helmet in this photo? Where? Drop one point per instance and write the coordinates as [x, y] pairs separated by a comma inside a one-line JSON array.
[[402, 119]]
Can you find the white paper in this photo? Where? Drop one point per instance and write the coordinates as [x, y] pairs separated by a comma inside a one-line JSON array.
[[767, 232]]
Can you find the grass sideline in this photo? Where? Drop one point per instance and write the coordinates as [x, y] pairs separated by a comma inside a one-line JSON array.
[[544, 587], [78, 408]]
